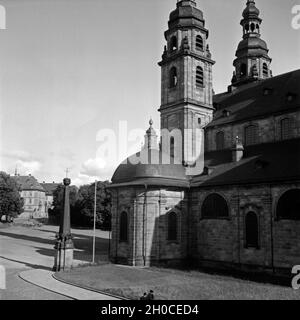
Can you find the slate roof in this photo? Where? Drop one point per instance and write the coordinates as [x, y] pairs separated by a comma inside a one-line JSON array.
[[50, 187], [186, 14], [263, 163], [28, 183], [153, 170], [250, 102]]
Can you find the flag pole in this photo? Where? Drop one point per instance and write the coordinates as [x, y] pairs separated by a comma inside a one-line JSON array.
[[94, 235]]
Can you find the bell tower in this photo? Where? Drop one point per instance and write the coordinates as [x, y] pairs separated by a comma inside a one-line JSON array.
[[186, 81], [252, 61]]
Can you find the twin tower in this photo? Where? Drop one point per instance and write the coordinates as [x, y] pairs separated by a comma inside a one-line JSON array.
[[186, 68]]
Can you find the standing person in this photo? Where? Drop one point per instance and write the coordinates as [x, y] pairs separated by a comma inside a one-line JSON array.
[[150, 295], [144, 297]]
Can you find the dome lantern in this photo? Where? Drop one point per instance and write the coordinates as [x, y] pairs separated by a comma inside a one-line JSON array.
[[252, 61]]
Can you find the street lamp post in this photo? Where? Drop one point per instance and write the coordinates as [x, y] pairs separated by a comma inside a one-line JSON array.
[[95, 214]]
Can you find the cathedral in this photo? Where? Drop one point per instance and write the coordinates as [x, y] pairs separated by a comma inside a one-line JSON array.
[[219, 187]]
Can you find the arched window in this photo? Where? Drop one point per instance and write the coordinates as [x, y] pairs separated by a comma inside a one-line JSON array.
[[286, 127], [199, 77], [251, 229], [123, 227], [173, 44], [251, 135], [173, 77], [199, 43], [288, 206], [243, 71], [265, 70], [172, 226], [172, 147], [220, 140], [252, 27], [214, 206]]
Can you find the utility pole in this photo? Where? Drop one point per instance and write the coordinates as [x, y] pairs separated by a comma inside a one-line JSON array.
[[95, 214]]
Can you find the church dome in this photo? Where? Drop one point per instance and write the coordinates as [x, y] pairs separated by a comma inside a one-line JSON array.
[[152, 165], [252, 43], [186, 13], [251, 10]]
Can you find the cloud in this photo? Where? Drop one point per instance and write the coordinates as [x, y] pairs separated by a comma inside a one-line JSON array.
[[28, 167], [83, 179], [21, 160], [93, 167], [67, 154], [17, 154]]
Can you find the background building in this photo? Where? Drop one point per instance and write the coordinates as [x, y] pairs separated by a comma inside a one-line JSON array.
[[34, 197], [49, 189]]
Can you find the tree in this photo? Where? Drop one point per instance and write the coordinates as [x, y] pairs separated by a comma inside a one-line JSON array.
[[58, 203], [85, 204], [11, 203], [82, 205]]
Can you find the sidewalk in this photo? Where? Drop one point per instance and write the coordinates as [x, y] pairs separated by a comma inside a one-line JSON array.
[[45, 279]]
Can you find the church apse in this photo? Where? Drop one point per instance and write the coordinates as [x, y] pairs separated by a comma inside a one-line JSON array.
[[156, 226]]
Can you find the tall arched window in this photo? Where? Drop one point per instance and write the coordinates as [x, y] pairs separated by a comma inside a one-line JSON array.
[[214, 206], [172, 226], [286, 126], [123, 227], [243, 70], [251, 135], [199, 77], [173, 77], [172, 147], [199, 43], [252, 230], [173, 44], [265, 70], [288, 206], [220, 140]]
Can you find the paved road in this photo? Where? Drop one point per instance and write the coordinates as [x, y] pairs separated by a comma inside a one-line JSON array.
[[25, 248]]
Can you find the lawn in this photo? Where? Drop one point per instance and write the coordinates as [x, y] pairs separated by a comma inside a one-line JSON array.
[[169, 284]]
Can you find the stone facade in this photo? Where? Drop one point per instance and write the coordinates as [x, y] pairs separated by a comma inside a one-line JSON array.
[[221, 242], [147, 210], [34, 204], [218, 242], [269, 130], [186, 97]]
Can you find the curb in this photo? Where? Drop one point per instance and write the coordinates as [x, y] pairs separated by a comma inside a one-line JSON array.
[[89, 289], [39, 286]]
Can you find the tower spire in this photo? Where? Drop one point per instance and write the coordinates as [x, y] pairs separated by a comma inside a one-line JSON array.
[[151, 137], [187, 2], [252, 61]]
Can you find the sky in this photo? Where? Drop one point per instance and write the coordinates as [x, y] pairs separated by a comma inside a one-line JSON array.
[[70, 69]]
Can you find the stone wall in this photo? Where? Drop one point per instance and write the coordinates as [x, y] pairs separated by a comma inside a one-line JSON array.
[[286, 233], [269, 130], [147, 232], [223, 240]]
